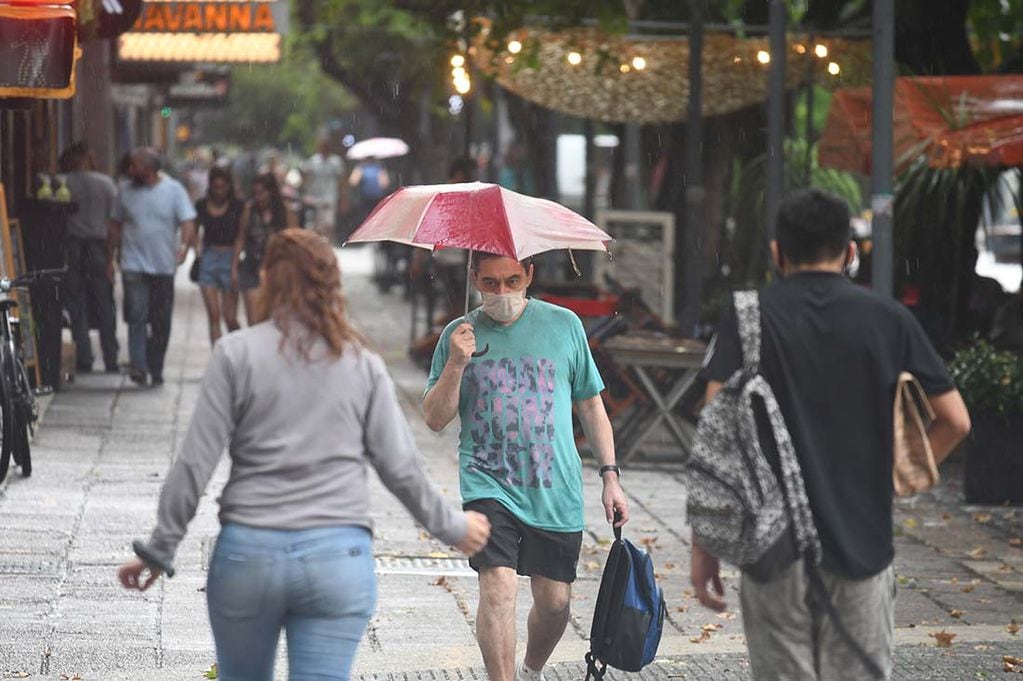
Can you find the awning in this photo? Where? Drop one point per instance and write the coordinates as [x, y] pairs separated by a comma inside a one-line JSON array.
[[622, 79], [953, 120]]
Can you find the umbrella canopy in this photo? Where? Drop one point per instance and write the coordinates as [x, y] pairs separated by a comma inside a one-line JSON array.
[[377, 147], [480, 217], [953, 120]]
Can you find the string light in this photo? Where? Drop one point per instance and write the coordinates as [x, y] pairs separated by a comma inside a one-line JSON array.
[[820, 50], [574, 58], [638, 63], [458, 61], [736, 59], [462, 86], [514, 47], [509, 60], [763, 57], [624, 68], [800, 48], [458, 73], [834, 69]]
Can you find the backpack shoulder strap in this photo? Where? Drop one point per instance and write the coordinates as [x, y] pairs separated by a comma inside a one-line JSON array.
[[747, 314]]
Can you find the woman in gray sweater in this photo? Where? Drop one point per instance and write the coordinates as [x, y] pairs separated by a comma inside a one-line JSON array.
[[302, 407]]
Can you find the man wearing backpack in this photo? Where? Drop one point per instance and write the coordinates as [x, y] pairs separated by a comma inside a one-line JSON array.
[[832, 353], [518, 462]]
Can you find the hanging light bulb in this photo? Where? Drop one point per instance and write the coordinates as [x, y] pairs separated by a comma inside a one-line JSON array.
[[462, 86], [800, 48], [514, 46], [574, 58], [834, 69], [457, 61], [624, 68], [638, 63], [458, 73], [820, 50], [763, 57]]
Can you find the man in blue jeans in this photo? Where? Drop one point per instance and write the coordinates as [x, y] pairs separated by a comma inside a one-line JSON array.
[[143, 235]]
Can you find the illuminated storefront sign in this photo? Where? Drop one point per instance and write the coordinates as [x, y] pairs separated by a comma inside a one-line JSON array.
[[189, 31]]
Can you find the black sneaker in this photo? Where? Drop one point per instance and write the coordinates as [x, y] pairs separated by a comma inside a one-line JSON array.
[[157, 379], [137, 376]]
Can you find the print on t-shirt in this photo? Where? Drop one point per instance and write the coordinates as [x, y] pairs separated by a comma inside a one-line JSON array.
[[512, 426]]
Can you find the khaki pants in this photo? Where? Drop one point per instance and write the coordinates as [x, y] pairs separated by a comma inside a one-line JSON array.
[[791, 638]]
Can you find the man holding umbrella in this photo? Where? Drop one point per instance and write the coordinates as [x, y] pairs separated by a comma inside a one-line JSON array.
[[518, 461]]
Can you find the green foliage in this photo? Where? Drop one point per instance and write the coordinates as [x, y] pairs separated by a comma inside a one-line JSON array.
[[996, 27], [747, 204], [278, 104], [990, 380]]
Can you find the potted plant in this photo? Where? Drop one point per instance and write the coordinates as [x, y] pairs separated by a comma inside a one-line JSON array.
[[991, 382]]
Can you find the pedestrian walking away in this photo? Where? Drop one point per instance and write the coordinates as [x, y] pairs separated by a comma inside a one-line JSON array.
[[832, 354], [219, 214], [303, 407], [322, 180], [88, 293], [149, 212], [263, 216], [518, 462]]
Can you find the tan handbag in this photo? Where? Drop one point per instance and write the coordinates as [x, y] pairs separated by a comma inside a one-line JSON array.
[[914, 469]]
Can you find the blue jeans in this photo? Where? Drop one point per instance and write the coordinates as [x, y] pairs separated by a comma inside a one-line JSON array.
[[148, 308], [318, 584]]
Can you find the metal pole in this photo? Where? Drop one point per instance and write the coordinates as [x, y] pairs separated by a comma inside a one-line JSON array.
[[808, 160], [590, 179], [882, 155], [775, 117], [690, 318]]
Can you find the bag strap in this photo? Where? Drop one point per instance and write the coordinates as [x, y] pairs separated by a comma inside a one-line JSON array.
[[593, 671], [821, 591], [747, 313]]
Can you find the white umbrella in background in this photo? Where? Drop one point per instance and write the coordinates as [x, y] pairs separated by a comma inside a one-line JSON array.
[[377, 147]]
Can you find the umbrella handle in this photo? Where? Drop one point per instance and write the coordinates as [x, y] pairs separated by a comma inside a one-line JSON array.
[[480, 353]]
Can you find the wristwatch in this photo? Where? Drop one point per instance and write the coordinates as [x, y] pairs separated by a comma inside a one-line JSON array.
[[604, 469]]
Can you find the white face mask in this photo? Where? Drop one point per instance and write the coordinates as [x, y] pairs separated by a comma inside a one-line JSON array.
[[504, 307]]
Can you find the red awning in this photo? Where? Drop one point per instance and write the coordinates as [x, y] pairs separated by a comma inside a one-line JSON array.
[[954, 120]]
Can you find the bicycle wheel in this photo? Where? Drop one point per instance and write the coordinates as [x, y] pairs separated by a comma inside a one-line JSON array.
[[6, 414], [24, 417]]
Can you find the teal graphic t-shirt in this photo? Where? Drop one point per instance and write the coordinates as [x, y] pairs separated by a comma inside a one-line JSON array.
[[516, 444]]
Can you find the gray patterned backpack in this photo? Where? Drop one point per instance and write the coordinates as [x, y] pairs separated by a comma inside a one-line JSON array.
[[739, 509]]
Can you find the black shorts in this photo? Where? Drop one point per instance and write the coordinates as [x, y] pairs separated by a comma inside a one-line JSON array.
[[525, 549]]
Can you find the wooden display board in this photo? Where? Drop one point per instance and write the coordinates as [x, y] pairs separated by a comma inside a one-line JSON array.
[[643, 256], [12, 263]]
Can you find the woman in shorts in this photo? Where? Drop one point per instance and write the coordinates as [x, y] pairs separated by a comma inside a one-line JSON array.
[[219, 214], [263, 216]]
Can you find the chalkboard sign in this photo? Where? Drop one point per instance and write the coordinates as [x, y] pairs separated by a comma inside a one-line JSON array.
[[37, 51], [642, 256]]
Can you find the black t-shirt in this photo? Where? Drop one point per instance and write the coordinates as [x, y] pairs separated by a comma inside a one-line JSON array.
[[832, 353], [219, 230]]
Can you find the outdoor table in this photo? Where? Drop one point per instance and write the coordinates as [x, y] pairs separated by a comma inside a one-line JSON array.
[[646, 354]]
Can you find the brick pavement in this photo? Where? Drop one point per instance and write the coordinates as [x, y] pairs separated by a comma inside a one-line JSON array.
[[104, 448]]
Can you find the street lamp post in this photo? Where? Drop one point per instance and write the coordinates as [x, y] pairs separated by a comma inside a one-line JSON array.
[[690, 318], [775, 116]]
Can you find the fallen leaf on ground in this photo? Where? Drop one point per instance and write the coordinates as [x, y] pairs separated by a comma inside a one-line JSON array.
[[981, 647], [438, 554], [982, 517], [956, 613], [712, 627], [1005, 567], [211, 673], [910, 523], [968, 588], [441, 581], [954, 580], [669, 566], [20, 675], [682, 608], [592, 565], [1016, 541], [704, 636], [943, 639], [603, 541], [687, 593], [977, 552], [1012, 627], [946, 516], [423, 535], [1012, 664], [649, 543], [726, 615]]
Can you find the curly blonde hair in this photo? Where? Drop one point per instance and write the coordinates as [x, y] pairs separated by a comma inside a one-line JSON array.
[[303, 286]]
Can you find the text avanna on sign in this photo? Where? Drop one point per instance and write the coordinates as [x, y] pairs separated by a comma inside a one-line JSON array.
[[205, 17]]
